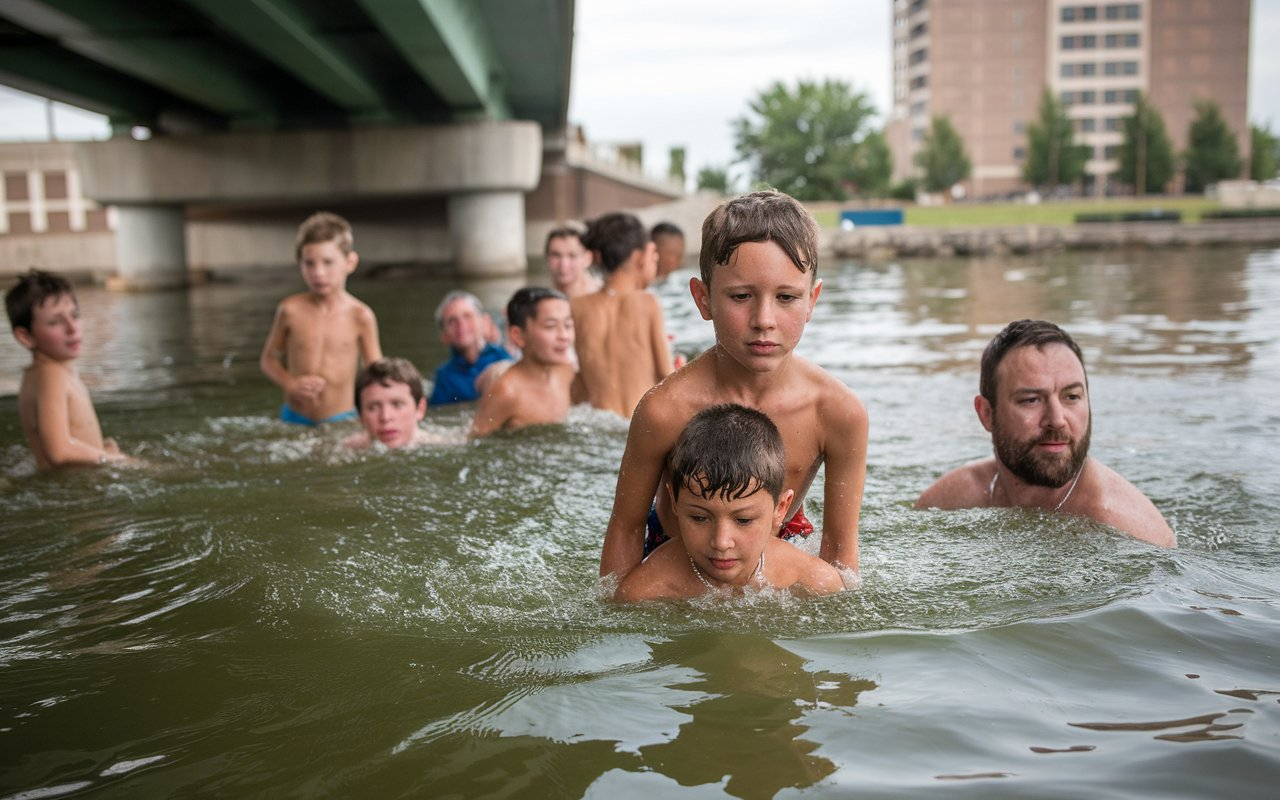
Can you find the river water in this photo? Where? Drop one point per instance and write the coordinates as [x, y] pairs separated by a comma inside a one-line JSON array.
[[259, 613]]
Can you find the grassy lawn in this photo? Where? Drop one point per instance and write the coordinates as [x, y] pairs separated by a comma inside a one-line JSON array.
[[1056, 212]]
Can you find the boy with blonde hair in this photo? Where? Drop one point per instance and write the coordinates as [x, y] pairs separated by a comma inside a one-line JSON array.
[[727, 470], [319, 337], [534, 390], [758, 287], [54, 407], [621, 341]]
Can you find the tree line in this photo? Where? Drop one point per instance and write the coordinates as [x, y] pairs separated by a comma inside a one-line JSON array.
[[818, 141]]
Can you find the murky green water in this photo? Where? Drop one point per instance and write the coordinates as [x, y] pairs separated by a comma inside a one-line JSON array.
[[262, 614]]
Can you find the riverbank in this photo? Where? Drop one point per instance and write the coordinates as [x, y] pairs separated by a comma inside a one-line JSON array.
[[907, 241]]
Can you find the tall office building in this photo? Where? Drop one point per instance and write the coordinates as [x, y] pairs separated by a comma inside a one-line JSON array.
[[984, 64]]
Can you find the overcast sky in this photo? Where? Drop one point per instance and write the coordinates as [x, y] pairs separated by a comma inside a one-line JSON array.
[[676, 73]]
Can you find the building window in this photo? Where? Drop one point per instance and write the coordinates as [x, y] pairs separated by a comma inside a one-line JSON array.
[[1017, 126], [1115, 40], [1088, 42], [1088, 13], [918, 108], [1123, 11], [1112, 124], [55, 185], [1068, 70], [918, 5], [1087, 98], [917, 134], [919, 30], [15, 186], [919, 56], [919, 81], [1068, 42], [1068, 13], [1019, 153], [1068, 98], [1120, 96], [1111, 151], [20, 222], [1086, 125]]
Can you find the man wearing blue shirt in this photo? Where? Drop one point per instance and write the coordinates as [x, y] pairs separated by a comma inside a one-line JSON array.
[[466, 328]]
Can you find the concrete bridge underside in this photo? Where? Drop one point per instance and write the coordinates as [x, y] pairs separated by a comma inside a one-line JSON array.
[[292, 103]]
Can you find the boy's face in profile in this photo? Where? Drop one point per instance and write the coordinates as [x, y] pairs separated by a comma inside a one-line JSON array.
[[55, 328], [325, 267], [389, 414], [759, 304], [725, 535], [547, 336], [670, 253]]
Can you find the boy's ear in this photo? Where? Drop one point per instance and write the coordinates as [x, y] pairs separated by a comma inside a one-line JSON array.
[[24, 337], [985, 411], [784, 505], [517, 335], [353, 258], [421, 411], [702, 297], [813, 298]]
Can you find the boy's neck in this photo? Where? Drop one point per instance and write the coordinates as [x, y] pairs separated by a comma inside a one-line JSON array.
[[537, 369], [623, 279], [334, 298], [753, 384], [42, 359]]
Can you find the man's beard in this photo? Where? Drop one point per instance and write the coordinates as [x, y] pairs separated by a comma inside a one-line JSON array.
[[1025, 460]]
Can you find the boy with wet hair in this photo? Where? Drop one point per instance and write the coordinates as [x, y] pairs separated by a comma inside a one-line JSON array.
[[758, 287], [391, 403], [669, 240], [727, 471], [536, 389], [54, 408], [621, 342], [319, 337], [569, 262]]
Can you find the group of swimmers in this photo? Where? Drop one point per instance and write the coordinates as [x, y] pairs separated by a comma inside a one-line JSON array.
[[720, 452]]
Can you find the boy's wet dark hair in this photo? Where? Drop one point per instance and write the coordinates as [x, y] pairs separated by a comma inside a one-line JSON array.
[[615, 237], [729, 451], [665, 229], [32, 289], [766, 216], [524, 303], [387, 371], [324, 226], [1023, 333], [565, 232]]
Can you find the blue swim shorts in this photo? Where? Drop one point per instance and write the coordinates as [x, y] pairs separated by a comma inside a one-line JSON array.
[[294, 418]]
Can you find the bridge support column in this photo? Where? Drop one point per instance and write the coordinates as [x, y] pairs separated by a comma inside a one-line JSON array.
[[487, 230], [151, 248]]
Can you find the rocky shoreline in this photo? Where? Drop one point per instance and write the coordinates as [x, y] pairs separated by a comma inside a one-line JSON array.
[[875, 242]]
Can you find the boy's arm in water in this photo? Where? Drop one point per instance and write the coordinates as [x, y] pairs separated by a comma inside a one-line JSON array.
[[53, 425], [304, 387], [845, 457], [649, 440], [496, 407]]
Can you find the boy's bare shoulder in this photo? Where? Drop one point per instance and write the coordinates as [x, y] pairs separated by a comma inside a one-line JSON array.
[[657, 577], [681, 394], [799, 571]]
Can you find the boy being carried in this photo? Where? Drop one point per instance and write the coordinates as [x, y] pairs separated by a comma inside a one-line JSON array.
[[535, 390], [320, 336], [622, 344], [758, 287], [727, 470], [54, 408]]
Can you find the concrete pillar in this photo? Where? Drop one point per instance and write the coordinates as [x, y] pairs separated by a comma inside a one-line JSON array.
[[487, 230], [151, 248]]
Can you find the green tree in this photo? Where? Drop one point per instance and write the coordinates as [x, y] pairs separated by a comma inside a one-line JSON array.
[[942, 158], [1146, 155], [873, 166], [675, 165], [715, 179], [1211, 154], [1264, 153], [805, 141], [1053, 157]]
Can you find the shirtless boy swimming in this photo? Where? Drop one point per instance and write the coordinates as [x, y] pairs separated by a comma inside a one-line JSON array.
[[320, 336], [758, 287], [535, 390], [727, 470], [54, 408]]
